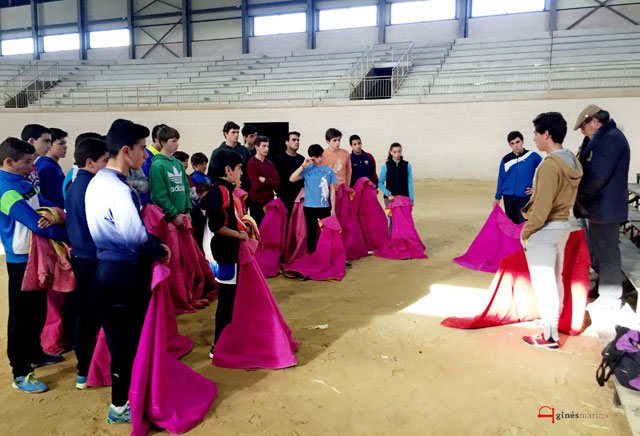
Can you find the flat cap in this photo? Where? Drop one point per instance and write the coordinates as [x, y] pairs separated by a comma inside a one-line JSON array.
[[586, 113]]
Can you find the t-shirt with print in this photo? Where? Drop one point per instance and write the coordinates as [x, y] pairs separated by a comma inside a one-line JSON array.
[[317, 180]]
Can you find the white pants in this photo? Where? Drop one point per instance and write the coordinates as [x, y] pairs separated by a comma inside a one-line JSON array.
[[545, 257]]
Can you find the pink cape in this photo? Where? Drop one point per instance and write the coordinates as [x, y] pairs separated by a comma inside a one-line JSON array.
[[296, 244], [370, 214], [405, 243], [514, 300], [52, 338], [498, 237], [163, 390], [191, 279], [241, 195], [327, 262], [352, 238], [258, 336], [176, 345], [273, 230]]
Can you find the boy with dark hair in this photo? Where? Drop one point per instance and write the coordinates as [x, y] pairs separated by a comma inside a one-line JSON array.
[[222, 219], [288, 161], [545, 234], [18, 218], [170, 188], [249, 134], [49, 170], [362, 163], [336, 158], [199, 163], [73, 172], [319, 191], [40, 137], [515, 178], [263, 179], [125, 252], [90, 157], [183, 158], [231, 131]]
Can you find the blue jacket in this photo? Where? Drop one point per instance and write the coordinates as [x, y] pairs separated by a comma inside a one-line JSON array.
[[115, 222], [516, 173], [81, 243], [145, 197], [51, 178], [18, 217], [363, 165], [603, 190], [197, 177]]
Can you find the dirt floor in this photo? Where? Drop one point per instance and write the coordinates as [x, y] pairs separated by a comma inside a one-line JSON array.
[[384, 365]]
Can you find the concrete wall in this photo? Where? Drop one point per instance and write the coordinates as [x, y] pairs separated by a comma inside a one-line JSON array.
[[516, 24], [463, 140], [423, 33]]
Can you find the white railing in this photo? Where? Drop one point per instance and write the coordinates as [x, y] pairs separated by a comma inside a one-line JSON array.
[[26, 86], [402, 67], [545, 80]]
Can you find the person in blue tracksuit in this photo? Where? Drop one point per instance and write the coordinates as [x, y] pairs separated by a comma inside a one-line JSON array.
[[19, 200], [90, 157], [73, 172], [515, 177], [125, 252], [49, 170]]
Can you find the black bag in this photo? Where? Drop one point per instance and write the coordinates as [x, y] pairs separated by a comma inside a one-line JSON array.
[[624, 364]]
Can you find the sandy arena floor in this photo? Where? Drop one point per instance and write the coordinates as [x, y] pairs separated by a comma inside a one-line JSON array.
[[384, 365]]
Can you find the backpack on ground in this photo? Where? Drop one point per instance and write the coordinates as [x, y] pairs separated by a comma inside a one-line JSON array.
[[621, 357]]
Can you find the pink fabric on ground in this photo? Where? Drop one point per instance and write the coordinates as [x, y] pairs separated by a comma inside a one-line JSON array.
[[258, 336], [164, 391], [296, 242], [352, 238], [327, 262], [177, 345], [273, 230], [370, 214], [405, 243], [190, 272], [513, 299], [498, 238]]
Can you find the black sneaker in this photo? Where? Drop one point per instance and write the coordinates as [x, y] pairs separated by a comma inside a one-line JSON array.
[[211, 352], [347, 265], [47, 359]]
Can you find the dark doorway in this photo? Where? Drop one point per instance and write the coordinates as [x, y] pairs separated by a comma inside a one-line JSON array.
[[275, 132]]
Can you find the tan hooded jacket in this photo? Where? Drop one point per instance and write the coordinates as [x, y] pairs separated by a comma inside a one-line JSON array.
[[554, 192]]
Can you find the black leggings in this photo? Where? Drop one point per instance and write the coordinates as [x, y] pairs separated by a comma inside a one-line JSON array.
[[311, 217], [87, 318]]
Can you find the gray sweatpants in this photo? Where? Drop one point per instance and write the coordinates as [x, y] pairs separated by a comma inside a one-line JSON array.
[[545, 256]]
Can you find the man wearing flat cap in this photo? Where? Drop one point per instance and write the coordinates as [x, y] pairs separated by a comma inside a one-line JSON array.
[[603, 199]]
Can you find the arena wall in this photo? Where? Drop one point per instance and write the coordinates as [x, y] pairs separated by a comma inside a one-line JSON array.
[[453, 140]]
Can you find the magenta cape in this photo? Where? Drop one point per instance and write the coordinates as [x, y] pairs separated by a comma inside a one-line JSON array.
[[258, 336], [176, 345], [514, 300], [52, 338], [346, 212], [192, 281], [273, 230], [370, 214], [405, 243], [164, 391], [296, 243], [327, 262], [498, 238]]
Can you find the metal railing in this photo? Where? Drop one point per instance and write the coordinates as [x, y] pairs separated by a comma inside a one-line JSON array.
[[401, 69], [361, 68], [27, 86], [564, 78]]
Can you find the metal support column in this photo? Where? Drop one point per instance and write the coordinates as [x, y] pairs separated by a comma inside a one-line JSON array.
[[186, 28], [382, 21], [34, 29], [82, 29], [311, 25], [132, 33], [245, 25], [464, 9], [553, 15]]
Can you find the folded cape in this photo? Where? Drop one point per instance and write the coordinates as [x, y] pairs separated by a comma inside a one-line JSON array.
[[370, 214], [164, 391], [352, 238], [258, 336], [273, 231], [514, 300], [405, 243], [498, 238], [327, 262], [296, 242]]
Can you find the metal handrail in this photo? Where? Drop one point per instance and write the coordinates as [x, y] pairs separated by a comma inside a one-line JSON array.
[[401, 68], [31, 82]]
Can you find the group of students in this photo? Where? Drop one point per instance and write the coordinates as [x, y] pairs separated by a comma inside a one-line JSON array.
[[112, 252]]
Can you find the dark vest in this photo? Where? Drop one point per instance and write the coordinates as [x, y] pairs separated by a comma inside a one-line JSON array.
[[398, 177]]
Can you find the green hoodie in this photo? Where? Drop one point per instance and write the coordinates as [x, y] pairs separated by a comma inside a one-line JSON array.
[[169, 186]]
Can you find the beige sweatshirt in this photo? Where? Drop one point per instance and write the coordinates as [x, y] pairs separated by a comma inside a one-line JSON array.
[[555, 186]]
